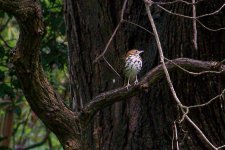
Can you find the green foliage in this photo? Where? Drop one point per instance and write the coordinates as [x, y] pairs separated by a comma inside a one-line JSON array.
[[54, 49], [27, 128]]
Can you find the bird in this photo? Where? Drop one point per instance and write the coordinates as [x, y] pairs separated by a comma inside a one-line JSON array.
[[133, 64]]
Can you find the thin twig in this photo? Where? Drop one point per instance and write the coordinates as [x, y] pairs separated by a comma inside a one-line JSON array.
[[185, 112], [148, 3], [220, 147], [213, 13], [194, 73], [109, 42], [222, 61], [192, 17], [176, 135], [200, 131], [207, 103], [189, 17], [195, 31], [111, 66], [173, 137], [114, 32], [185, 134], [138, 26], [172, 2], [210, 29], [107, 98], [147, 6]]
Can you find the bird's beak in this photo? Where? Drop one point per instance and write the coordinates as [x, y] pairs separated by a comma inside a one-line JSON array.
[[141, 52]]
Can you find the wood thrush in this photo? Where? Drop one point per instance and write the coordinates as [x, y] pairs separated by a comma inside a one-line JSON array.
[[133, 64]]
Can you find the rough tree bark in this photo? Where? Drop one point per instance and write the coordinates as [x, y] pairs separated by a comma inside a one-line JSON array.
[[143, 122], [177, 42], [136, 124], [25, 56]]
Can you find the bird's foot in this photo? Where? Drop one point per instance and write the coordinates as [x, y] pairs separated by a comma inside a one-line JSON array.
[[128, 86], [135, 82]]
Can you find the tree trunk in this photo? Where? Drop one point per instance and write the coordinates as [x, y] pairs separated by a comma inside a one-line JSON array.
[[144, 121], [177, 39], [89, 27]]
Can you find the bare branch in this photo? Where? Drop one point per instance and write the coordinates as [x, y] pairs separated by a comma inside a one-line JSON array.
[[110, 97], [200, 131], [222, 61], [210, 101], [198, 73], [114, 32], [213, 13], [117, 28], [176, 14], [161, 54], [108, 43], [176, 1], [195, 31], [184, 109], [176, 135], [185, 113], [189, 17], [220, 147], [210, 29], [111, 66], [138, 26], [173, 138], [25, 57], [192, 17]]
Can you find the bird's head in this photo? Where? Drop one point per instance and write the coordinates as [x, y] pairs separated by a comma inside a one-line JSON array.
[[134, 52]]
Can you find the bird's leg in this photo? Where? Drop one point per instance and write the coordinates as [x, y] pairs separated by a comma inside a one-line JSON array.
[[128, 83], [136, 81]]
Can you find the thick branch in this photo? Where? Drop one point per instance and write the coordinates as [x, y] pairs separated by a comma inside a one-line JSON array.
[[42, 98], [108, 98]]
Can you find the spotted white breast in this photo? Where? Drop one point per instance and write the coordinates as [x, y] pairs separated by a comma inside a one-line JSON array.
[[133, 65]]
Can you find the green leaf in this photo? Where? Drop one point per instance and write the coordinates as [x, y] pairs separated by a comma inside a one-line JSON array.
[[5, 89]]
